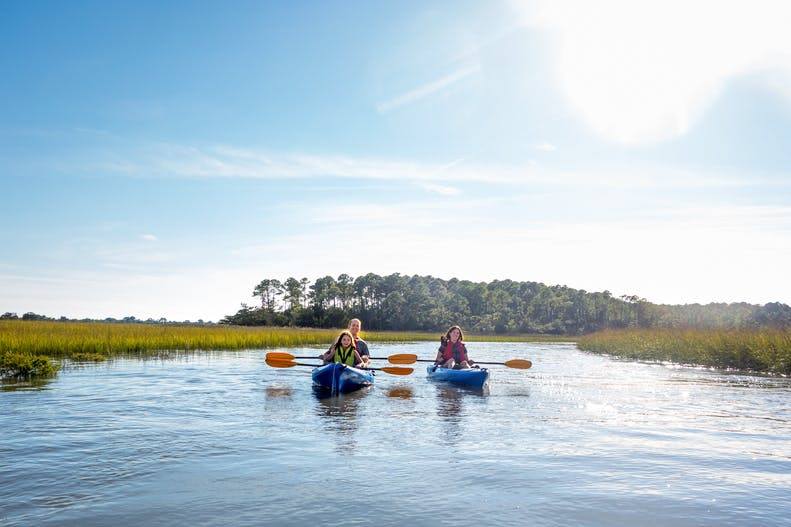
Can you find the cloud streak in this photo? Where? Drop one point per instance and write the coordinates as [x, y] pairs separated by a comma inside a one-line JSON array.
[[427, 89], [168, 160], [546, 147]]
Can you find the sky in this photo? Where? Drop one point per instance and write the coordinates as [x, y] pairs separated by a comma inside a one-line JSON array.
[[160, 159]]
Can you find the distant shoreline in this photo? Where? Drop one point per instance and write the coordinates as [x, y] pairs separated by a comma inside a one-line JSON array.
[[35, 348]]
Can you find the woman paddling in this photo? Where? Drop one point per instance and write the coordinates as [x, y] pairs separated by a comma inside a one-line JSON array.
[[452, 352], [343, 351]]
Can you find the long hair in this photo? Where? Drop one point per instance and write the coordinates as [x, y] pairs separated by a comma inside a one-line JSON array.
[[338, 344], [461, 334]]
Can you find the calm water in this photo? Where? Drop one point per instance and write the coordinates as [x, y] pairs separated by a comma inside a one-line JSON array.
[[580, 439]]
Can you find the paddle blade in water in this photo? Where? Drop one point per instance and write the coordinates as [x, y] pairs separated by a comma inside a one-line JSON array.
[[280, 363], [402, 358], [398, 371], [520, 364], [279, 355]]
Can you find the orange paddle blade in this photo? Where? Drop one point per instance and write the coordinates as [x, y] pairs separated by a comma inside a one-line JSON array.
[[279, 355], [280, 363], [398, 371], [402, 358], [520, 364]]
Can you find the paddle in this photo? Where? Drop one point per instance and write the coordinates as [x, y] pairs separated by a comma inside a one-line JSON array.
[[409, 358], [519, 364], [400, 358], [282, 355], [280, 363]]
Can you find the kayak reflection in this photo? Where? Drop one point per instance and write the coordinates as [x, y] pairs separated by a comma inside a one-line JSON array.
[[450, 409], [340, 414]]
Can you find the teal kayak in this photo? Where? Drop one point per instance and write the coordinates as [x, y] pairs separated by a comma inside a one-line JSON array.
[[470, 377]]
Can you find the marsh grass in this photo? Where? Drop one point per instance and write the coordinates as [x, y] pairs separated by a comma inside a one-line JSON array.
[[34, 348], [763, 350]]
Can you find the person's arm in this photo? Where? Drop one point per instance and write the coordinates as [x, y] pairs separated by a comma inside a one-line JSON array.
[[357, 358], [365, 355], [328, 355], [362, 347], [438, 360], [467, 355]]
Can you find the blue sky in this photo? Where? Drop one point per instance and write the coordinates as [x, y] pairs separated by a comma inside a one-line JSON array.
[[159, 160]]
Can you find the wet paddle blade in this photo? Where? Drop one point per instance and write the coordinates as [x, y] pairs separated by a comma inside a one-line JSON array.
[[402, 358], [280, 363], [519, 364], [279, 355], [397, 371]]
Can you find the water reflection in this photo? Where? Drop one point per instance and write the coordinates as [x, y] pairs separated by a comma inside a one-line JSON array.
[[273, 392], [340, 413], [401, 392], [13, 385], [450, 409], [450, 402]]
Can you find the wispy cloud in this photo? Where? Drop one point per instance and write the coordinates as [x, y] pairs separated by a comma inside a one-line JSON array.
[[546, 147], [442, 190], [427, 89], [168, 160], [148, 237]]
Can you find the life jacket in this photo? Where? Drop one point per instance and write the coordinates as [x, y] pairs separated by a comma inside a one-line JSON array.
[[345, 355], [457, 352]]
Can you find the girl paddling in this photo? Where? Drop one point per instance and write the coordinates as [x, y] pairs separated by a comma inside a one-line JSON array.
[[452, 352], [343, 351]]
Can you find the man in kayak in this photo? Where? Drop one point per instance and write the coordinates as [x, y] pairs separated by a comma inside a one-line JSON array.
[[452, 352], [343, 351], [362, 347]]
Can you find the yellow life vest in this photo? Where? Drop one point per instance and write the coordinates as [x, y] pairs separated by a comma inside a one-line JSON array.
[[344, 355]]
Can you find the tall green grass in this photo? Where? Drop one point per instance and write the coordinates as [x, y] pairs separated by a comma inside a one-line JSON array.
[[763, 350], [29, 347]]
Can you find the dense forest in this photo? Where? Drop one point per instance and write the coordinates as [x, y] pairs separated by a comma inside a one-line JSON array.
[[8, 315], [398, 302]]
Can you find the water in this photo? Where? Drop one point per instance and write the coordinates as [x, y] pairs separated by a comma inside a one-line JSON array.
[[220, 438]]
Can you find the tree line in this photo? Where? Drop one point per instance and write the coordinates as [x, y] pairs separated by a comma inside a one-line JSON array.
[[426, 303], [8, 315]]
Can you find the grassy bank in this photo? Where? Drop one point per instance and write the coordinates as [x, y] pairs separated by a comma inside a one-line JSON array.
[[757, 350], [34, 348]]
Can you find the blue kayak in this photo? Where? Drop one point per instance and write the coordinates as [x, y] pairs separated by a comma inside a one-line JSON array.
[[470, 377], [340, 378]]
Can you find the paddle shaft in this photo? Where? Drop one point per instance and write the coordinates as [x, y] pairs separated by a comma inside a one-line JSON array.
[[399, 358], [473, 361], [288, 356], [319, 365], [408, 358]]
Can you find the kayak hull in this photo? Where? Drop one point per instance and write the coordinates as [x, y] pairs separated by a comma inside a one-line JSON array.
[[339, 378], [475, 378]]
